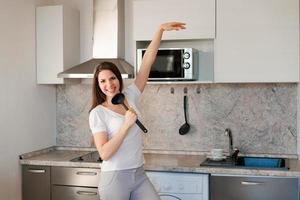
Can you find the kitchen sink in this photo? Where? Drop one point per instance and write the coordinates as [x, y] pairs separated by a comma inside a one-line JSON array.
[[249, 162], [261, 162], [89, 157]]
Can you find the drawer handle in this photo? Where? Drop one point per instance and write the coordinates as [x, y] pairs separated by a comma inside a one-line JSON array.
[[251, 183], [37, 171], [87, 173], [86, 193]]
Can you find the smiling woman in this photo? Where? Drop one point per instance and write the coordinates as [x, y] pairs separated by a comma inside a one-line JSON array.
[[108, 82], [117, 137], [107, 69]]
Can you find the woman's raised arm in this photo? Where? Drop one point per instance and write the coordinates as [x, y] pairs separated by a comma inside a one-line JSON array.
[[150, 54]]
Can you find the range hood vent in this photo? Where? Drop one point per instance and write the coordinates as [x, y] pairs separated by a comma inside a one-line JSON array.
[[86, 69], [108, 41]]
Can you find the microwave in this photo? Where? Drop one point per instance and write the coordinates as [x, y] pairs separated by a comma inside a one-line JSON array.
[[171, 64]]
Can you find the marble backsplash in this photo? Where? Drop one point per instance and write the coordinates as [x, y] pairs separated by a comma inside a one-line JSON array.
[[262, 117]]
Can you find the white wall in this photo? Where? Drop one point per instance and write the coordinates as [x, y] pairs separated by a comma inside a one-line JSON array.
[[27, 110], [298, 120]]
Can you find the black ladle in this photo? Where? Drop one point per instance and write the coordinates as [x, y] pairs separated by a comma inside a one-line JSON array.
[[184, 129], [119, 99]]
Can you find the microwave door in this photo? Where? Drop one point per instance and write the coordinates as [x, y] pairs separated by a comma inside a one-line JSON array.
[[167, 66]]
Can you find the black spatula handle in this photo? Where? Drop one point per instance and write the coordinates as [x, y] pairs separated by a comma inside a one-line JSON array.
[[137, 121], [141, 126]]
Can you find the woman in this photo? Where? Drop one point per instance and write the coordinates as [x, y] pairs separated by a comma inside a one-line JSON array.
[[117, 138]]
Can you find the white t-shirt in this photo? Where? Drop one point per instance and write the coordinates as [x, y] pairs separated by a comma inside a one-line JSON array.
[[102, 119]]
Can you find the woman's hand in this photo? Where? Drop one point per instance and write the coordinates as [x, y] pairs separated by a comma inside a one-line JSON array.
[[172, 26], [130, 117], [108, 147]]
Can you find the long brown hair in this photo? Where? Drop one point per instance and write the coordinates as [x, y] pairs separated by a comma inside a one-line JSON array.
[[98, 97]]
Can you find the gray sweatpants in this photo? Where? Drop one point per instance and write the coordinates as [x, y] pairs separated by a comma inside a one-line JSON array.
[[130, 184]]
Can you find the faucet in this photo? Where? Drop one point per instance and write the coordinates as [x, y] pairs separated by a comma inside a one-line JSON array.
[[233, 152], [228, 133]]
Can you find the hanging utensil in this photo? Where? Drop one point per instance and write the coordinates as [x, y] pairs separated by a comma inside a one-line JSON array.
[[119, 99], [184, 129]]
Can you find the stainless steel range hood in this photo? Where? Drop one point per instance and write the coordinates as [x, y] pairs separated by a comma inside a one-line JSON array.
[[108, 41], [86, 69]]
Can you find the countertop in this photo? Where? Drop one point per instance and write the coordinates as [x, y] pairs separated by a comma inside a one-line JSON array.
[[154, 161]]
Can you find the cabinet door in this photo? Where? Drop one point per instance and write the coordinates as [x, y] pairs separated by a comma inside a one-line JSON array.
[[199, 15], [250, 188], [35, 182], [74, 193], [257, 41], [57, 42]]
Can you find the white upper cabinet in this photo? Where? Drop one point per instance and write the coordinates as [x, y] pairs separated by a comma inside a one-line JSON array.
[[199, 15], [57, 42], [257, 41]]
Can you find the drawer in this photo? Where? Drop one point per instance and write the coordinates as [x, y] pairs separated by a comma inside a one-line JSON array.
[[74, 193], [249, 188], [88, 177]]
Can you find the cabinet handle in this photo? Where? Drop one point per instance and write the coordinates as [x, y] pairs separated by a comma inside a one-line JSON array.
[[169, 195], [251, 183], [37, 171], [87, 173], [86, 193]]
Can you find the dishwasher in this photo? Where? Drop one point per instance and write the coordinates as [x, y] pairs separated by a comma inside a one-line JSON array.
[[231, 187]]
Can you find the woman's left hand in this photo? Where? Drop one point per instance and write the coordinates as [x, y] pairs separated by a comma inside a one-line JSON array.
[[172, 26]]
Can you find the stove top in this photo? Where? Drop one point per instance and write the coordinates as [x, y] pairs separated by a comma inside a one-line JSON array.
[[89, 157]]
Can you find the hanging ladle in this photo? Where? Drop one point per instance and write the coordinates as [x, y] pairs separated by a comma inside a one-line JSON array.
[[184, 129], [119, 99]]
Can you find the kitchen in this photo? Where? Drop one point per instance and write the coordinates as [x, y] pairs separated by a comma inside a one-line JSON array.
[[52, 122]]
